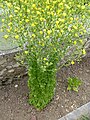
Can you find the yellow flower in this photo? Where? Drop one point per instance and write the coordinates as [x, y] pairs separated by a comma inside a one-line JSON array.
[[84, 51], [28, 11], [3, 20], [9, 4], [16, 11], [83, 16], [72, 62], [62, 31], [41, 19], [27, 20], [44, 30], [76, 35], [33, 35], [17, 37], [71, 18], [8, 30], [83, 7], [75, 27], [42, 44], [38, 13], [1, 30], [9, 23], [81, 41], [20, 14], [64, 14], [57, 22], [33, 5], [49, 32], [75, 42], [41, 32], [26, 52], [6, 36], [61, 20], [44, 59], [10, 16], [32, 24]]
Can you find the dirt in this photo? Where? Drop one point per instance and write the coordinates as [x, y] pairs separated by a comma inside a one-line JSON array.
[[14, 98]]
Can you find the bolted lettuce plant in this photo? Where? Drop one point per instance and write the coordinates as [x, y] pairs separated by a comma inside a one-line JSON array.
[[45, 30]]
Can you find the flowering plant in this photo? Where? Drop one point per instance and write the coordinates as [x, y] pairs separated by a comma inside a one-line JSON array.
[[45, 30]]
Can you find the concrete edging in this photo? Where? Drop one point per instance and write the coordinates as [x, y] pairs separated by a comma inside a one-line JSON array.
[[76, 114]]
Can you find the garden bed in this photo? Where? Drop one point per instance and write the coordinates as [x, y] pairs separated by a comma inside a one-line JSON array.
[[14, 104]]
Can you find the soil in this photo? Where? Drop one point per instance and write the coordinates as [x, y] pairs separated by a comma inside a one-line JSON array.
[[14, 98]]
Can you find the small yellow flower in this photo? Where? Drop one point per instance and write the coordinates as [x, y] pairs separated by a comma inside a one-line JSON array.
[[49, 32], [33, 35], [16, 11], [26, 52], [81, 41], [57, 22], [75, 27], [33, 25], [33, 5], [47, 37], [10, 16], [38, 13], [44, 30], [1, 30], [75, 42], [62, 31], [44, 59], [71, 18], [17, 37], [9, 23], [83, 16], [61, 20], [6, 36], [3, 20], [76, 35], [72, 62], [84, 51], [41, 19], [47, 63], [28, 11], [83, 7], [41, 32], [43, 44], [20, 14], [64, 14], [27, 20], [78, 6], [8, 30]]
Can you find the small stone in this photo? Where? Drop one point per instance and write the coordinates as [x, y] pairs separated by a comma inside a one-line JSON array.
[[2, 61], [2, 72], [15, 66], [87, 71], [62, 106], [9, 67], [16, 86], [57, 97], [10, 71], [33, 118], [67, 110]]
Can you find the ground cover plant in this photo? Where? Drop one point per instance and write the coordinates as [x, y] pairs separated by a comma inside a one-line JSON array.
[[73, 83], [45, 30], [84, 117]]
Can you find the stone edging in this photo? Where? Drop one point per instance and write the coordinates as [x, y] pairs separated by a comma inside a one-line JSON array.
[[10, 70], [76, 114]]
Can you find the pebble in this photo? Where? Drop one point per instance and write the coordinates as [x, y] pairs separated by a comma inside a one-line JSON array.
[[16, 86], [33, 118]]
